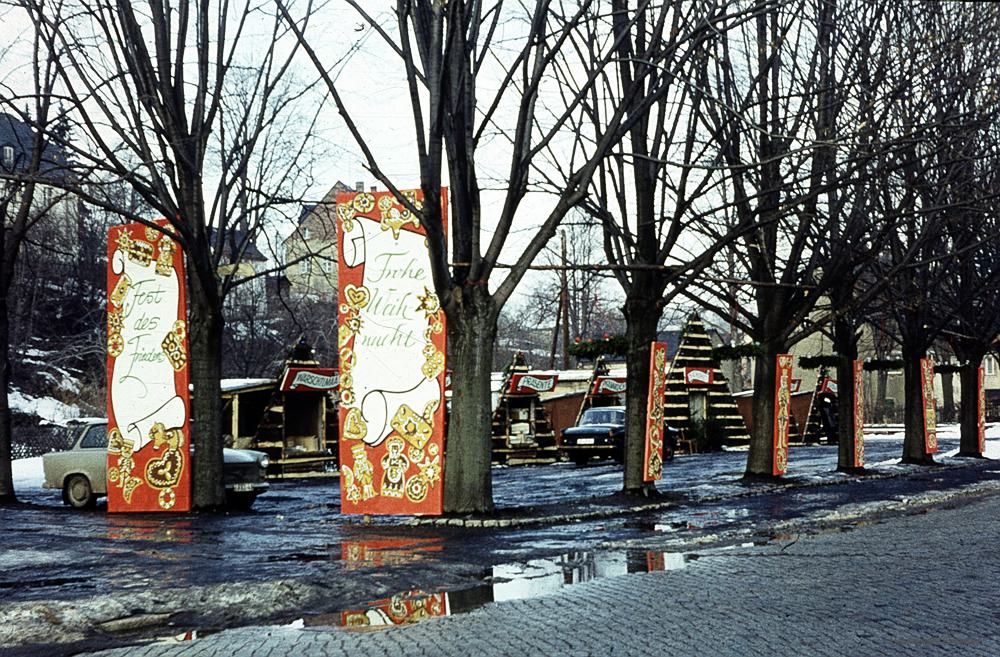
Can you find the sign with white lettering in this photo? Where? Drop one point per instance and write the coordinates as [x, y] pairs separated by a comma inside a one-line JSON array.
[[391, 337], [310, 379], [699, 376], [609, 385], [526, 383], [148, 437]]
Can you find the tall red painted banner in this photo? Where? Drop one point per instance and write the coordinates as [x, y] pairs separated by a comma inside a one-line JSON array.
[[929, 404], [391, 341], [859, 415], [653, 458], [149, 459], [782, 412], [982, 410]]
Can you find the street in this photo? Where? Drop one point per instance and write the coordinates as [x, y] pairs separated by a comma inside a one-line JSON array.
[[913, 585], [74, 582]]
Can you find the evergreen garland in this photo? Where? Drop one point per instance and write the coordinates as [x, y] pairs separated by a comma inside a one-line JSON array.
[[725, 352], [614, 345]]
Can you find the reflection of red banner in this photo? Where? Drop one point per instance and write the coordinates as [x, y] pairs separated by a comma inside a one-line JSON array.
[[387, 552], [859, 415], [699, 376], [400, 609], [149, 463], [608, 385], [391, 338], [796, 385], [828, 386], [527, 383], [310, 379], [782, 412], [982, 411], [653, 457], [930, 405]]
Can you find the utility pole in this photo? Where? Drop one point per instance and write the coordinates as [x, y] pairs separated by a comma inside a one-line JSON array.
[[564, 305]]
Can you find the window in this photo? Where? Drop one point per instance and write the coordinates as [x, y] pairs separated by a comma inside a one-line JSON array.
[[325, 265], [990, 365], [306, 266], [305, 232], [8, 155], [97, 436]]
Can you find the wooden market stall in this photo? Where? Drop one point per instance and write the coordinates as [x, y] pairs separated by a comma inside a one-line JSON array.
[[697, 399], [293, 418], [522, 429]]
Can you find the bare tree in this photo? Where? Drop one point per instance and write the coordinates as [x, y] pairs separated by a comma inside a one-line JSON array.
[[660, 181], [182, 101], [28, 169], [949, 98], [450, 55]]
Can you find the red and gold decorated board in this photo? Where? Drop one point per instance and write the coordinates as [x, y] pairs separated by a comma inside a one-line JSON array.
[[929, 404], [859, 415], [608, 385], [982, 411], [391, 341], [699, 376], [653, 459], [400, 609], [149, 458], [310, 379], [523, 384], [782, 412]]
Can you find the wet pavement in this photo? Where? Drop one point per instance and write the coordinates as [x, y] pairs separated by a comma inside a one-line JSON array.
[[295, 533]]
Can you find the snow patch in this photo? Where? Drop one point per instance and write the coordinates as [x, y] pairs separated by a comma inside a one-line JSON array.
[[28, 473], [46, 408]]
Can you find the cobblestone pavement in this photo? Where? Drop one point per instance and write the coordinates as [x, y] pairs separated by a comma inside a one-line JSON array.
[[914, 585]]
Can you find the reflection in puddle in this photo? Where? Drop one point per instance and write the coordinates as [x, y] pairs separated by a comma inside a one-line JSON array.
[[387, 552], [531, 579]]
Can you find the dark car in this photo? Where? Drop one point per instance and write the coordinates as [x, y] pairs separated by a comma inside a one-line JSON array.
[[601, 434]]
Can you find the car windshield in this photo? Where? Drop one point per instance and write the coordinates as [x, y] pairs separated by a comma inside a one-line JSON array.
[[602, 416]]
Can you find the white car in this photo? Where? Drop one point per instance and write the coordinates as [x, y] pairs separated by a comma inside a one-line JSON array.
[[81, 472]]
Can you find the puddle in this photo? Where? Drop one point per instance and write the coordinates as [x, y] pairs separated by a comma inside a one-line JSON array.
[[531, 579], [703, 520]]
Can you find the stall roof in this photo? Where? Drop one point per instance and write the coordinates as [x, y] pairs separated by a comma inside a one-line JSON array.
[[237, 385]]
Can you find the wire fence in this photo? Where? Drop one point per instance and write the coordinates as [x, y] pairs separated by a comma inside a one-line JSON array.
[[34, 441]]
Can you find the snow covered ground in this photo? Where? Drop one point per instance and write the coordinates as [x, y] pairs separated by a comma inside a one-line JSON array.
[[46, 408], [28, 474]]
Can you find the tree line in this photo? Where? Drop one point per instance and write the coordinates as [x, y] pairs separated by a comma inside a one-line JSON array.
[[794, 166]]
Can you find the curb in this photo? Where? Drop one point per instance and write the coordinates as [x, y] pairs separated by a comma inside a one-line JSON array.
[[598, 514]]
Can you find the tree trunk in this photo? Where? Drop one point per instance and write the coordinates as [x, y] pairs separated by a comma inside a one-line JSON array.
[[472, 327], [948, 397], [760, 460], [642, 315], [969, 410], [847, 348], [7, 493], [205, 344], [914, 445]]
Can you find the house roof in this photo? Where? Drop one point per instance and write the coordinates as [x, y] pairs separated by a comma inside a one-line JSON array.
[[21, 137], [320, 219], [233, 242]]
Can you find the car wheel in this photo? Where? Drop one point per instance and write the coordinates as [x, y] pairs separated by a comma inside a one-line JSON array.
[[240, 501], [78, 493]]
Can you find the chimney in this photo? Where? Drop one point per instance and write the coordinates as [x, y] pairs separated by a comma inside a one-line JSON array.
[[359, 186], [374, 188]]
